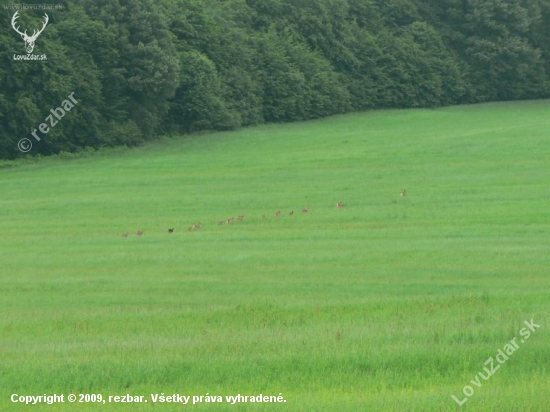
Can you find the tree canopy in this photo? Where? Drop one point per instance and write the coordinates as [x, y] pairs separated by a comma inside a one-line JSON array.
[[143, 68]]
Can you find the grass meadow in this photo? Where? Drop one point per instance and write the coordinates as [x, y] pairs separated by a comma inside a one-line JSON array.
[[388, 304]]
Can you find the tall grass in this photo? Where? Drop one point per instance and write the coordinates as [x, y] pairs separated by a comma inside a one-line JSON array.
[[389, 304]]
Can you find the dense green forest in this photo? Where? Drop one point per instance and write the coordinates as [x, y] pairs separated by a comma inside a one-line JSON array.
[[143, 68]]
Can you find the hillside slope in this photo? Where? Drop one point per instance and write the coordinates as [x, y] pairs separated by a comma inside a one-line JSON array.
[[390, 303]]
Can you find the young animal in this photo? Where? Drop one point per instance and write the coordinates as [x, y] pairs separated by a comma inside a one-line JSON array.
[[305, 210], [340, 205], [277, 213], [403, 193]]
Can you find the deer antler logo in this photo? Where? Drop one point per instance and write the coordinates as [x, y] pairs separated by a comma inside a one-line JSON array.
[[29, 40]]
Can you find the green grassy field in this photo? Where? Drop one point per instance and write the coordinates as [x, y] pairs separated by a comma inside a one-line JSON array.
[[388, 304]]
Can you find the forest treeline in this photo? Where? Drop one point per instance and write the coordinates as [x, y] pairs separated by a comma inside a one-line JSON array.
[[143, 68]]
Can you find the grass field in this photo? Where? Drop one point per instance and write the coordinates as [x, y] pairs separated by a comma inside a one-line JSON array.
[[388, 304]]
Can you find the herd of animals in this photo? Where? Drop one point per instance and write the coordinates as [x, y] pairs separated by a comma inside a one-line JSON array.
[[197, 226]]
